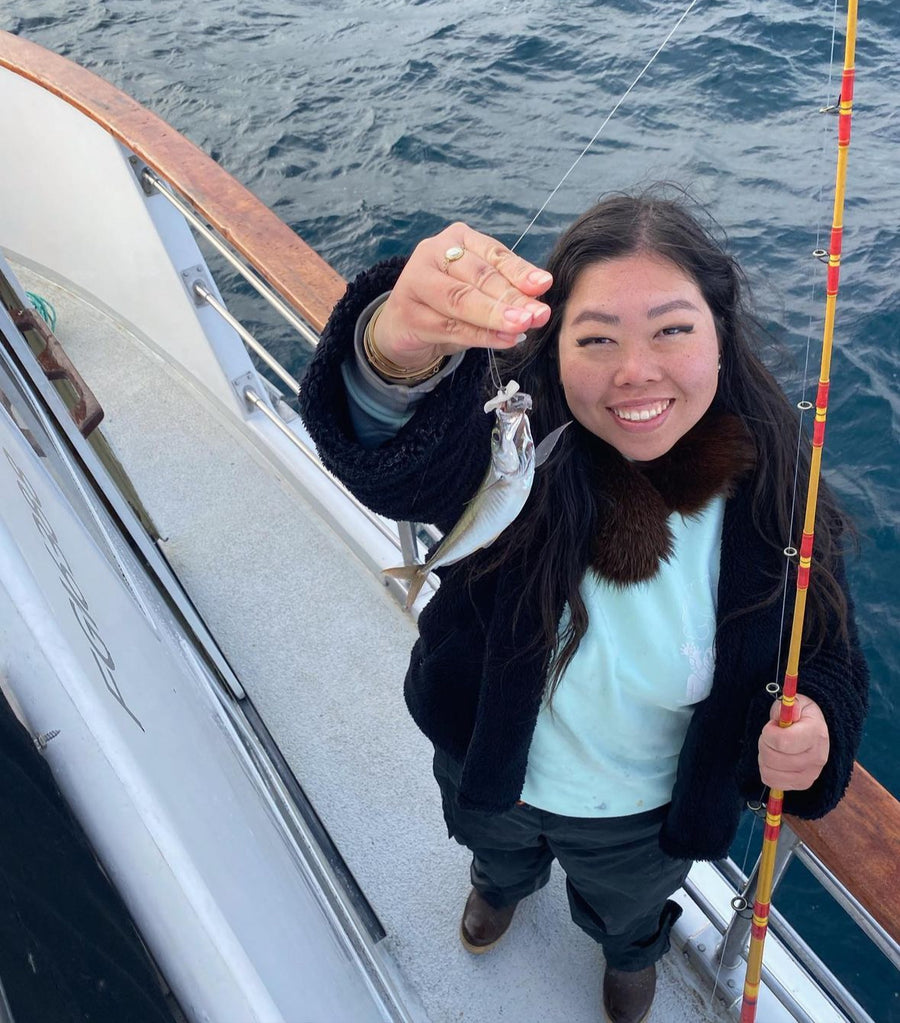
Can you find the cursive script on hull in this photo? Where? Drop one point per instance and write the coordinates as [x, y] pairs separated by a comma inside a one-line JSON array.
[[100, 652]]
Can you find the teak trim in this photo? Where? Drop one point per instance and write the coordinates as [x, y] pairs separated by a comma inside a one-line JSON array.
[[859, 842], [289, 265]]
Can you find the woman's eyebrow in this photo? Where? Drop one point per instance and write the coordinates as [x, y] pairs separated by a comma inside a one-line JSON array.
[[595, 316], [598, 316], [667, 307]]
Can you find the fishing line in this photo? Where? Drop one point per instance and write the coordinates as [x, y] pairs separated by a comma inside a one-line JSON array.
[[719, 959], [754, 807], [608, 118], [495, 372], [492, 362], [804, 404]]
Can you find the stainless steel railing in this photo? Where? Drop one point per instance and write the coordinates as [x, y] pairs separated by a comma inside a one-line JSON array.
[[789, 847], [204, 294], [151, 183], [405, 536], [261, 405], [731, 951]]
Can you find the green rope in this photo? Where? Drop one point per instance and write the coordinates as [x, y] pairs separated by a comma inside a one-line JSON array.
[[44, 308]]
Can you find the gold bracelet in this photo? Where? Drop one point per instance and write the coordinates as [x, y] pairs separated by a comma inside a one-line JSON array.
[[389, 370]]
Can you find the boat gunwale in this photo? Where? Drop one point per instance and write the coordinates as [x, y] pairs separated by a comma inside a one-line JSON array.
[[858, 842]]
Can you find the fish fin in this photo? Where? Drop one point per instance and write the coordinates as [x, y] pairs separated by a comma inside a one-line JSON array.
[[414, 575], [546, 446], [484, 490]]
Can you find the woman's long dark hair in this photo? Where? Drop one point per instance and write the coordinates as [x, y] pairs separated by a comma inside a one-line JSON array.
[[563, 511]]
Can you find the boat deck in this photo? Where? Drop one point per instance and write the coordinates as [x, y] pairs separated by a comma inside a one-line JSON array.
[[321, 648]]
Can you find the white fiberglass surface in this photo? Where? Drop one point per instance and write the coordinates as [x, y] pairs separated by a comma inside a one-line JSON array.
[[74, 221], [143, 753]]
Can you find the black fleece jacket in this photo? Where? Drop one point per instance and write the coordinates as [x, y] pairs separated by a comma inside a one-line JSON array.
[[474, 685]]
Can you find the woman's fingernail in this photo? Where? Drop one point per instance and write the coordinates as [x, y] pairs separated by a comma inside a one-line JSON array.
[[517, 317], [540, 277], [520, 338]]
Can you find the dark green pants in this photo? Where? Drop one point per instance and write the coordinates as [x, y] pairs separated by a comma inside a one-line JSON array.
[[617, 878]]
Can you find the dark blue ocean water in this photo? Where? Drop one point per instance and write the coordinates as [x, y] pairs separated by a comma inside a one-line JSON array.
[[368, 125]]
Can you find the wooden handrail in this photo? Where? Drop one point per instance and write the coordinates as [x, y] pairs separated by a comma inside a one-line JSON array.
[[286, 262], [859, 842]]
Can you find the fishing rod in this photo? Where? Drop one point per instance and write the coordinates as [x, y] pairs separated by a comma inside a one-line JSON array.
[[789, 691]]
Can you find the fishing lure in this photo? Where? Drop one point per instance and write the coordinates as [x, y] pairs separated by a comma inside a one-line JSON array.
[[503, 491]]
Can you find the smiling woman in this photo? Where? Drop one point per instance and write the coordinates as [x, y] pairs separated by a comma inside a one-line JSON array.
[[595, 682], [652, 373]]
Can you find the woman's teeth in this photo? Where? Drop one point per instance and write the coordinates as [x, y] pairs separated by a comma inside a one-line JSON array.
[[635, 415]]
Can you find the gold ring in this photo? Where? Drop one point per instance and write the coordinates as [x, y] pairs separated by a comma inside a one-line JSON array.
[[452, 254]]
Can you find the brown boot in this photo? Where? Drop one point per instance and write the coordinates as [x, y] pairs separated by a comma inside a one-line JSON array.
[[627, 997], [482, 926]]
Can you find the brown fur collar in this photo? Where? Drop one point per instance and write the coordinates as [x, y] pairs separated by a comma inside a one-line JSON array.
[[634, 535]]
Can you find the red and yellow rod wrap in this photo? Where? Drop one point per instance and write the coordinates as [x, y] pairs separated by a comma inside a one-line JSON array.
[[789, 692]]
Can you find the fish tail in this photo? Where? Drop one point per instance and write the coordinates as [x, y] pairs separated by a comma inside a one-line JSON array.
[[414, 575]]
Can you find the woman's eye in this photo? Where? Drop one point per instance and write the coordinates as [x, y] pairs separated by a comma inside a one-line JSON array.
[[684, 328], [583, 342]]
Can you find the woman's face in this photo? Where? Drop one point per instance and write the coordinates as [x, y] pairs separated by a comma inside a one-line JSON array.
[[638, 354]]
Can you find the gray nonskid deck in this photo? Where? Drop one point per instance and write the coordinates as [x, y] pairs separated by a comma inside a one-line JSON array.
[[322, 649]]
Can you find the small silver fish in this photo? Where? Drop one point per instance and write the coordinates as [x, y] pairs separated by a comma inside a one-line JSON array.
[[502, 494]]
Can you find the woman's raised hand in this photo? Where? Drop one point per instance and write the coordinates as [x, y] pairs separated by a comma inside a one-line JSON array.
[[460, 289]]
